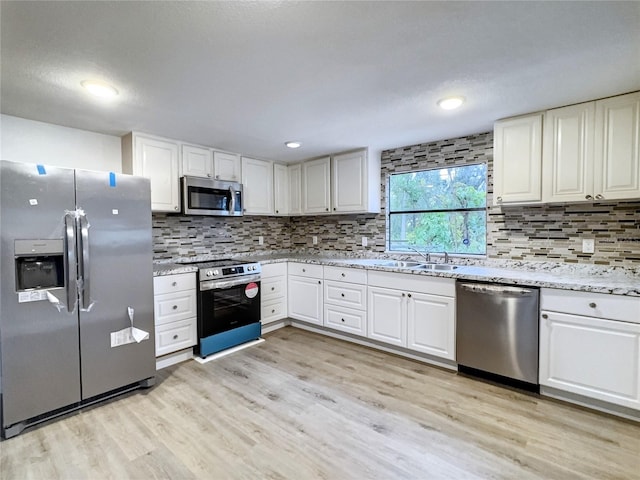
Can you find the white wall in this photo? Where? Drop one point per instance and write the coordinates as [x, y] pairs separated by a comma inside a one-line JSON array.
[[29, 141]]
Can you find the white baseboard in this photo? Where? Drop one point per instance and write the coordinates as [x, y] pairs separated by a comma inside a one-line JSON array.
[[173, 358]]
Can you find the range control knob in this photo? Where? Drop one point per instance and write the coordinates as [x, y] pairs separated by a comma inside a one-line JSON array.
[[216, 272], [209, 273]]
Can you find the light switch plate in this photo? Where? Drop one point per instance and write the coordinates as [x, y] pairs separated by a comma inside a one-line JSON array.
[[314, 239], [588, 245], [364, 241], [260, 240]]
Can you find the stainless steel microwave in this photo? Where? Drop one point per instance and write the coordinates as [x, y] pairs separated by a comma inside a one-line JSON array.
[[203, 196]]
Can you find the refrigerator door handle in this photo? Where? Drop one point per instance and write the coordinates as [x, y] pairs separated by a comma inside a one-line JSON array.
[[83, 246], [70, 277]]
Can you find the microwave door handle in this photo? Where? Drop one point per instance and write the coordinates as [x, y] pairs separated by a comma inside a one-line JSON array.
[[70, 272], [84, 263], [232, 203]]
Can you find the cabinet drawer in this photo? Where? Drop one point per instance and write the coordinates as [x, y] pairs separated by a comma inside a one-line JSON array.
[[342, 274], [274, 310], [175, 336], [345, 319], [273, 288], [171, 307], [305, 270], [599, 305], [174, 283], [345, 294], [273, 270]]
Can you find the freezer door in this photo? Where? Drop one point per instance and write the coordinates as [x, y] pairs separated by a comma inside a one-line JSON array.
[[115, 258], [38, 344]]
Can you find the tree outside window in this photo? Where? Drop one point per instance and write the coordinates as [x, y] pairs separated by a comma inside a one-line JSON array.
[[439, 210]]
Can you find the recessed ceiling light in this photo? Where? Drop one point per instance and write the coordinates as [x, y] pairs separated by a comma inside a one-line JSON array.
[[293, 144], [99, 89], [450, 103]]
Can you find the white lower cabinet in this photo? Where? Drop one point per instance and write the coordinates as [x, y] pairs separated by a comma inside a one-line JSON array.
[[305, 292], [413, 312], [175, 312], [345, 299], [431, 325], [274, 292], [584, 352]]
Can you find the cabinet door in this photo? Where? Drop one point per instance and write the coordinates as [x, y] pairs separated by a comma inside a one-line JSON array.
[[517, 160], [315, 186], [257, 182], [568, 153], [431, 325], [295, 189], [591, 357], [349, 182], [226, 166], [387, 320], [196, 161], [281, 189], [617, 147], [158, 161], [305, 299]]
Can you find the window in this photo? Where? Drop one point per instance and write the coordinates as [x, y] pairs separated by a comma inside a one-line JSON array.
[[439, 210]]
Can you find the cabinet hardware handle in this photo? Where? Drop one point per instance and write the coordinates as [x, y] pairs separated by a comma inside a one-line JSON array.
[[592, 305], [174, 284], [175, 337], [273, 288], [303, 270], [342, 319], [277, 211], [217, 176], [273, 310], [404, 294], [319, 282], [342, 274], [175, 307], [175, 208], [545, 316], [208, 175], [334, 209], [409, 295], [588, 197], [499, 199], [326, 209], [599, 196], [342, 294]]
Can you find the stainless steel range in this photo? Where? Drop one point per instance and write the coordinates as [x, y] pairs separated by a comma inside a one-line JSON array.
[[228, 304]]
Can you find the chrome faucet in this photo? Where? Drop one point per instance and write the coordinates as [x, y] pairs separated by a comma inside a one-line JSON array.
[[446, 257], [425, 254]]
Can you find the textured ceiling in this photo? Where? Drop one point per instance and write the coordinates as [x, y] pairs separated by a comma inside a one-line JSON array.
[[247, 76]]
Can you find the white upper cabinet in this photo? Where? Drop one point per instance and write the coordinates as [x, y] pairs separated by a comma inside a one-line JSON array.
[[517, 160], [568, 153], [617, 147], [316, 186], [157, 160], [257, 186], [355, 183], [295, 189], [281, 189], [227, 166], [196, 161]]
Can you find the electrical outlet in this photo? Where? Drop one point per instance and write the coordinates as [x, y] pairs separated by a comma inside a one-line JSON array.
[[314, 240], [260, 240], [364, 241], [588, 245]]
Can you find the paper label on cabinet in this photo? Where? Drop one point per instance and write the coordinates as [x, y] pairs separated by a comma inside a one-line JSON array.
[[32, 296]]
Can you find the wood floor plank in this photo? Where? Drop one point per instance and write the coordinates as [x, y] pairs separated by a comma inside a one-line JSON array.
[[305, 406]]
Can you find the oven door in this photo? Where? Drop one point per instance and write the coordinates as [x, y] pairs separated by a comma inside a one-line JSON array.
[[228, 304]]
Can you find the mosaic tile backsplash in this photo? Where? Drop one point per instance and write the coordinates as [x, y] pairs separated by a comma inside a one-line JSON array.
[[544, 233]]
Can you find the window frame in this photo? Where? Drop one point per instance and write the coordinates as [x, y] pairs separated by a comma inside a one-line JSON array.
[[389, 212]]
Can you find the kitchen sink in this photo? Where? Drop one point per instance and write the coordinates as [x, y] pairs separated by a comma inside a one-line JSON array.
[[438, 267], [398, 264]]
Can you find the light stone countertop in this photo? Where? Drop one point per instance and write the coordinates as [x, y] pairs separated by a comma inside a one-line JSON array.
[[579, 277]]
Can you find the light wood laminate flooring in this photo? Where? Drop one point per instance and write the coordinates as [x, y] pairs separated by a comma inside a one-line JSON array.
[[305, 406]]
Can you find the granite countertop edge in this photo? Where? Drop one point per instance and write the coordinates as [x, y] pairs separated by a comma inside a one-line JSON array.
[[545, 278]]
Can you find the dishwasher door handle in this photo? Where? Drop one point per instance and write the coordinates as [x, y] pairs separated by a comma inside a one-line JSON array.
[[491, 289]]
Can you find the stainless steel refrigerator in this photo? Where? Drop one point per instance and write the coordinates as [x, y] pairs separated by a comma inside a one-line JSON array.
[[76, 290]]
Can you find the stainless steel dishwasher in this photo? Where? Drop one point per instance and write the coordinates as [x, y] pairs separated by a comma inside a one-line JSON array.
[[497, 330]]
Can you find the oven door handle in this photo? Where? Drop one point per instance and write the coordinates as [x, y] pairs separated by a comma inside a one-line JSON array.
[[219, 284]]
